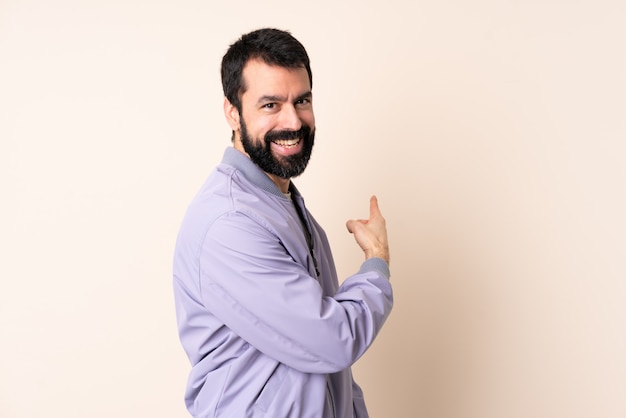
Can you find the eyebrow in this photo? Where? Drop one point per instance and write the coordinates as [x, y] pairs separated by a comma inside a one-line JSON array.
[[271, 98]]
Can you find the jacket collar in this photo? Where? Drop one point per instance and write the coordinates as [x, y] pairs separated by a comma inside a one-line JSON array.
[[253, 173]]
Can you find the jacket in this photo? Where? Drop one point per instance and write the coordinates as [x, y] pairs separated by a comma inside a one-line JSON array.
[[266, 327]]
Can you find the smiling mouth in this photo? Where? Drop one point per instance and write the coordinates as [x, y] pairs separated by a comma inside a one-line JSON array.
[[287, 143]]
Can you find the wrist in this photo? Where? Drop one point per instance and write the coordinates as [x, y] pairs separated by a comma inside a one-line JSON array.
[[381, 252]]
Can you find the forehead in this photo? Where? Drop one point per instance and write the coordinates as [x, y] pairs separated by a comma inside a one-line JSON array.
[[262, 79]]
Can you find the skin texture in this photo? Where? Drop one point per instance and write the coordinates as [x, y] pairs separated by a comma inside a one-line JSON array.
[[371, 234], [275, 99], [280, 99]]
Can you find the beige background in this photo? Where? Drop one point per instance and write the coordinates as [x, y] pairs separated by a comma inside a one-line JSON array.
[[493, 133]]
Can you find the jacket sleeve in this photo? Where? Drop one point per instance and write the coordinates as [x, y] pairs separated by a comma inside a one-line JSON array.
[[250, 282]]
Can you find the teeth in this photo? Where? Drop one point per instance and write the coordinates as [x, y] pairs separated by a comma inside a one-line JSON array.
[[287, 142]]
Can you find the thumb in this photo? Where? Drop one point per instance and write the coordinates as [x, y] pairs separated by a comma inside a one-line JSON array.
[[353, 224]]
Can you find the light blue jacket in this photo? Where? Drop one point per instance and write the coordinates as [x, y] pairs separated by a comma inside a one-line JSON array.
[[265, 335]]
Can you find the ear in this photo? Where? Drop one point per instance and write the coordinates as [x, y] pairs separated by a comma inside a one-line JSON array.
[[232, 115]]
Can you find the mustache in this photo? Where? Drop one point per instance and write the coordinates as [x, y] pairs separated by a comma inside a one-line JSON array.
[[304, 133]]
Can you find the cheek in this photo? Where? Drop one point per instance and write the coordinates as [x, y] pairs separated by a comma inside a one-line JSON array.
[[266, 124], [258, 127], [262, 129], [309, 119]]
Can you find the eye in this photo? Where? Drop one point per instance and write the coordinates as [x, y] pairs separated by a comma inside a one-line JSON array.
[[303, 102], [269, 106]]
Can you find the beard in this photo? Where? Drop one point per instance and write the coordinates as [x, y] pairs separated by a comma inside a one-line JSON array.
[[285, 167]]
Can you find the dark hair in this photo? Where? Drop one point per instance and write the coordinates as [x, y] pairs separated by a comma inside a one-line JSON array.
[[272, 46]]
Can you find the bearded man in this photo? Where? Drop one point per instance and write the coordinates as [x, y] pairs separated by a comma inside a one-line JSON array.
[[267, 328]]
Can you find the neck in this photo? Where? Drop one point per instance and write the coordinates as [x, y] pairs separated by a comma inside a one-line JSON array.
[[281, 183]]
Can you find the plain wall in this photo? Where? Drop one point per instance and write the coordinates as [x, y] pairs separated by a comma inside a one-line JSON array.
[[493, 133]]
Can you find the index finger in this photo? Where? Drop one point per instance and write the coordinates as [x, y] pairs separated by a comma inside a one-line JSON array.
[[374, 210]]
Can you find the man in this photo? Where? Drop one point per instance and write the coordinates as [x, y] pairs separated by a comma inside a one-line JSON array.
[[268, 330]]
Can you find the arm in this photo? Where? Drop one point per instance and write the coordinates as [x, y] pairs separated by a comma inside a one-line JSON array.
[[254, 286]]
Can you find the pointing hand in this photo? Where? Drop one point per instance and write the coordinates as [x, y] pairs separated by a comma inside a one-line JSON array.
[[371, 234]]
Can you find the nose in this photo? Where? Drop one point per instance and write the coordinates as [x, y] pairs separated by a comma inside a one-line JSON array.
[[290, 119]]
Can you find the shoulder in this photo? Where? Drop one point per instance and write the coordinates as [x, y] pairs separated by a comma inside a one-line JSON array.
[[229, 197]]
